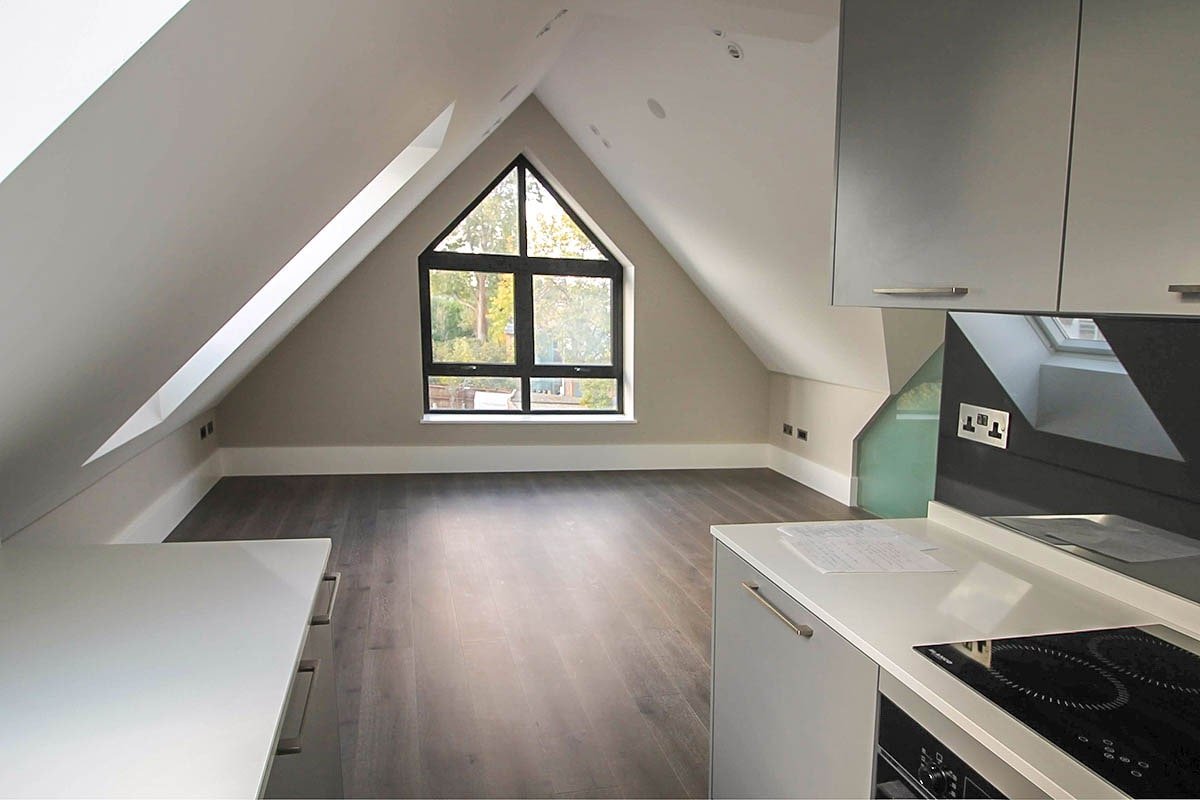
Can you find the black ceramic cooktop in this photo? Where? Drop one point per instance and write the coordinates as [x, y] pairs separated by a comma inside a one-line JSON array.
[[1125, 702]]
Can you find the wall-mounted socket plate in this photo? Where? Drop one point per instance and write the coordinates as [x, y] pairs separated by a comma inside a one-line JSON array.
[[985, 425]]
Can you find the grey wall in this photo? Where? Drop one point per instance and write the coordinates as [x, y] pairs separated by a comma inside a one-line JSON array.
[[140, 501], [350, 373]]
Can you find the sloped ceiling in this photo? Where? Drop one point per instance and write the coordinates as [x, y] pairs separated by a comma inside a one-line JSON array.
[[737, 181], [146, 220], [192, 175]]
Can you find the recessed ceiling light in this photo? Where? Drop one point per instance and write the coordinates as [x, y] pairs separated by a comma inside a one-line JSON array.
[[735, 51], [718, 33], [606, 143], [656, 108]]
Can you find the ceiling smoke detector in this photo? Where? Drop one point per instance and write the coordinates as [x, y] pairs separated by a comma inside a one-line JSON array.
[[735, 51]]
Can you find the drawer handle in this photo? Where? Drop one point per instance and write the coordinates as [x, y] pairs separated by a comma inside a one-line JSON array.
[[799, 630], [927, 291], [291, 745], [1184, 288], [323, 619]]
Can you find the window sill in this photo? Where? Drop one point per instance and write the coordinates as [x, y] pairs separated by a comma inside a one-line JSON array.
[[528, 419]]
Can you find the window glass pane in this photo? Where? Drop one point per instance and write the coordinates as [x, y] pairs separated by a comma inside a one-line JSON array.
[[1079, 329], [471, 317], [551, 232], [572, 320], [474, 394], [492, 226], [573, 394]]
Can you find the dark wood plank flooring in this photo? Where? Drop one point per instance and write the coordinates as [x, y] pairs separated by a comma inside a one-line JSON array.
[[517, 634]]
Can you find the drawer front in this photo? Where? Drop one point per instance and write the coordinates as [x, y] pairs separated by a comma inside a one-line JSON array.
[[311, 720], [794, 704]]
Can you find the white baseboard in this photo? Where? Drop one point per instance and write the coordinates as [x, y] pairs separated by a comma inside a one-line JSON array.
[[827, 481], [158, 519], [372, 460], [450, 458]]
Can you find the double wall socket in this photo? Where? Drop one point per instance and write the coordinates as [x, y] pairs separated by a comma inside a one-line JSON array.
[[986, 425]]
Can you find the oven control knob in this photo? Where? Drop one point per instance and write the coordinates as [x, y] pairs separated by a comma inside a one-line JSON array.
[[939, 781]]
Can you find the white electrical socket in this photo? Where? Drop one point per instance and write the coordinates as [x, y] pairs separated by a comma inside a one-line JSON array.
[[986, 425]]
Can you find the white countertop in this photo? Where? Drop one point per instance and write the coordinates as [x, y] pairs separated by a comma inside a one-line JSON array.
[[991, 595], [155, 670]]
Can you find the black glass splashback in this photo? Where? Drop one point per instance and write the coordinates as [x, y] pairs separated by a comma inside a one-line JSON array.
[[1112, 433], [1125, 702]]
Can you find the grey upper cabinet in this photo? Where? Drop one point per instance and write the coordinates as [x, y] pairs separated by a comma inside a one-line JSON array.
[[1133, 217], [953, 143], [794, 703]]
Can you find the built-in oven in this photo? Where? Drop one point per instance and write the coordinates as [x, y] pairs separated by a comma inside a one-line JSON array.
[[911, 762]]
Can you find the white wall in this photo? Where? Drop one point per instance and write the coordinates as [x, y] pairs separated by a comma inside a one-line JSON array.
[[140, 501]]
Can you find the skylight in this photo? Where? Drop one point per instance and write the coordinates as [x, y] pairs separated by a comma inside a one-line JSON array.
[[55, 53], [283, 285], [1072, 335]]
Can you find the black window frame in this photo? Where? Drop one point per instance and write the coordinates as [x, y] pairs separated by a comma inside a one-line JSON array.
[[523, 267]]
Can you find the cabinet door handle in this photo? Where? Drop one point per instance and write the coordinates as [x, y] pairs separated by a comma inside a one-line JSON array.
[[323, 619], [1184, 288], [291, 745], [927, 291], [799, 630]]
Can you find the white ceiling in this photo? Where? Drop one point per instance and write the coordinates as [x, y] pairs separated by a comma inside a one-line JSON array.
[[738, 180], [145, 221], [55, 53]]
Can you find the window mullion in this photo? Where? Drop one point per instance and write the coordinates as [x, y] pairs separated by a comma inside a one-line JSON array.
[[523, 330], [522, 236]]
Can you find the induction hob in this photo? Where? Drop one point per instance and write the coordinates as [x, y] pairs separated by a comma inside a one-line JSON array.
[[1125, 701]]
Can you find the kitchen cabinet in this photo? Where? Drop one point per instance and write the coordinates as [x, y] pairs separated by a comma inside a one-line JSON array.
[[1132, 214], [954, 129], [308, 759], [794, 704]]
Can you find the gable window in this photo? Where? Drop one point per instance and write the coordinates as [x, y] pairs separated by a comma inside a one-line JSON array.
[[520, 307]]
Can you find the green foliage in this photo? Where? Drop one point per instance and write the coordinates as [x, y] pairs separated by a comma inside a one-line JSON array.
[[572, 319], [551, 232], [459, 331], [599, 393], [491, 227]]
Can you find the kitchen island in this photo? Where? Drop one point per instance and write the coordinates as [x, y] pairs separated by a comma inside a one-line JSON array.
[[150, 670]]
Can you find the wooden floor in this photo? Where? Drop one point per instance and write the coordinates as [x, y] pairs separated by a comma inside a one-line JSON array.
[[517, 635]]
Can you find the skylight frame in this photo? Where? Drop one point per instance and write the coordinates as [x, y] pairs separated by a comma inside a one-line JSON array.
[[1057, 340], [282, 285]]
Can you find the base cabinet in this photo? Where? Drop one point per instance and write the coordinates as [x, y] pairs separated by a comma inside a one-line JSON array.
[[308, 758], [794, 704]]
